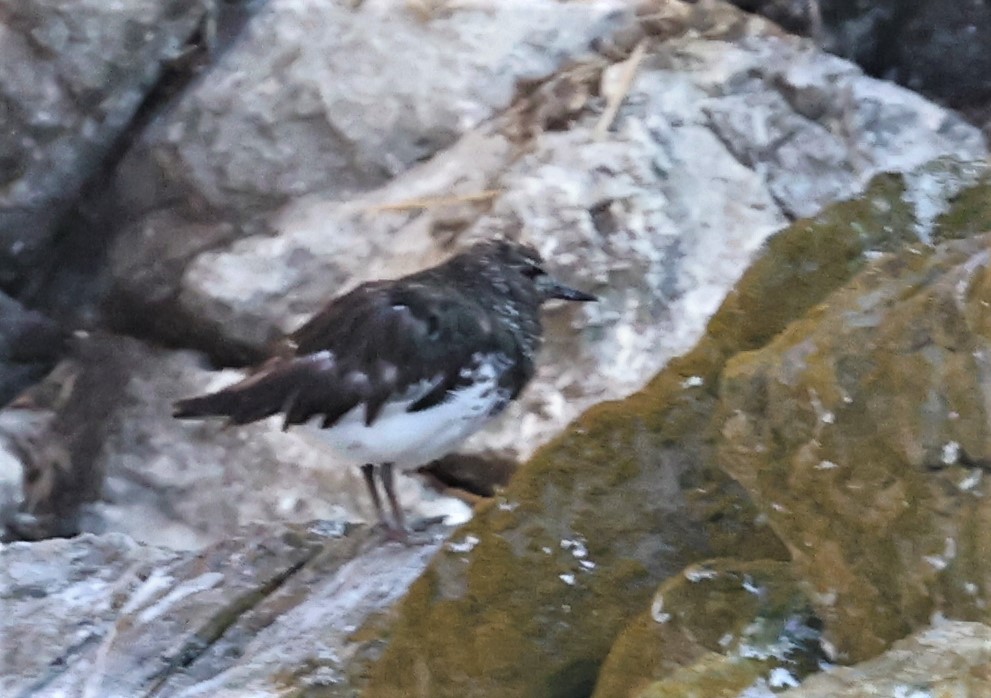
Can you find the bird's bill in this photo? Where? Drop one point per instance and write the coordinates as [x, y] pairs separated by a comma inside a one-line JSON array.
[[555, 289]]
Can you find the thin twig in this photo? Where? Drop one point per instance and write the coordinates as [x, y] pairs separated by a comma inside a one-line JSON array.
[[615, 99], [815, 20], [434, 201]]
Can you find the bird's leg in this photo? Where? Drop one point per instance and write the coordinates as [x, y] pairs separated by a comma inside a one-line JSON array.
[[395, 532], [388, 482], [368, 471], [400, 532]]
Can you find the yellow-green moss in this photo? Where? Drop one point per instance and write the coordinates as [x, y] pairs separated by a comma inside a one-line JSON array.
[[840, 427], [969, 214], [714, 676], [720, 606], [531, 620], [642, 653]]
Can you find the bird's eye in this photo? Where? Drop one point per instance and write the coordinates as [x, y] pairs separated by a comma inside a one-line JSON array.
[[532, 271]]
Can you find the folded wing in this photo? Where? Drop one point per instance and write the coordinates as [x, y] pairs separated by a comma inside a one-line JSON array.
[[378, 343]]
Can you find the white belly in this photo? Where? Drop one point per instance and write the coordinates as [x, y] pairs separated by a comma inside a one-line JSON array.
[[412, 439]]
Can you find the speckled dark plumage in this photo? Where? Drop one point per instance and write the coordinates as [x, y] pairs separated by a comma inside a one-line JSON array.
[[411, 345]]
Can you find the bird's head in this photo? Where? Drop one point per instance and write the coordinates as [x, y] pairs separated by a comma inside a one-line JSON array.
[[524, 260]]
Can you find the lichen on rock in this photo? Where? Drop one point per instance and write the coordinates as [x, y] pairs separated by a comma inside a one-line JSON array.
[[857, 430]]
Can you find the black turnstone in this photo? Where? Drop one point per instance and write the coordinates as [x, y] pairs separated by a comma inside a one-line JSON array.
[[398, 373]]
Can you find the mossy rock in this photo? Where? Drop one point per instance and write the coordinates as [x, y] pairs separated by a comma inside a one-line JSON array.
[[528, 597], [752, 613], [967, 210], [944, 660], [714, 676], [863, 430]]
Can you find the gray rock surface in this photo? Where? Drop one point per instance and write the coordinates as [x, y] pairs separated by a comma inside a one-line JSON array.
[[340, 96], [319, 97], [267, 609], [938, 49], [30, 344], [72, 75]]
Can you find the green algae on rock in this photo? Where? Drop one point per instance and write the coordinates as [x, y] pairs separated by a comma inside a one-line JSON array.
[[863, 432]]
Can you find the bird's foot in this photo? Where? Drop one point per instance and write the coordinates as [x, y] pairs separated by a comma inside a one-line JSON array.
[[416, 534], [406, 537], [423, 523]]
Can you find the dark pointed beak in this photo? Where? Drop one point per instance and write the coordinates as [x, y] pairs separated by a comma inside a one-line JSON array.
[[555, 289]]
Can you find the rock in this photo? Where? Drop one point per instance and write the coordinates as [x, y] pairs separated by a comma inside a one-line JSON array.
[[939, 50], [290, 111], [303, 608], [341, 96], [527, 599], [949, 658], [718, 627], [764, 126], [110, 456], [55, 433], [862, 431], [151, 257], [267, 610], [72, 76], [942, 52], [797, 16], [633, 487], [60, 596], [471, 475], [21, 431], [30, 344], [651, 158]]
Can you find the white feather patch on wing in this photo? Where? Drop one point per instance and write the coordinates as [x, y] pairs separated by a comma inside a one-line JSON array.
[[411, 439]]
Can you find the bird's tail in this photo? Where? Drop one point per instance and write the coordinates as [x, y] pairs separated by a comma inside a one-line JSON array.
[[224, 403], [256, 397]]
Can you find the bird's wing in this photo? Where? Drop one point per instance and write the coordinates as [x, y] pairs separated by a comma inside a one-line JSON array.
[[380, 341]]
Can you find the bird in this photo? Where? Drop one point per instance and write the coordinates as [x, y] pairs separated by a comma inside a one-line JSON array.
[[397, 373]]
